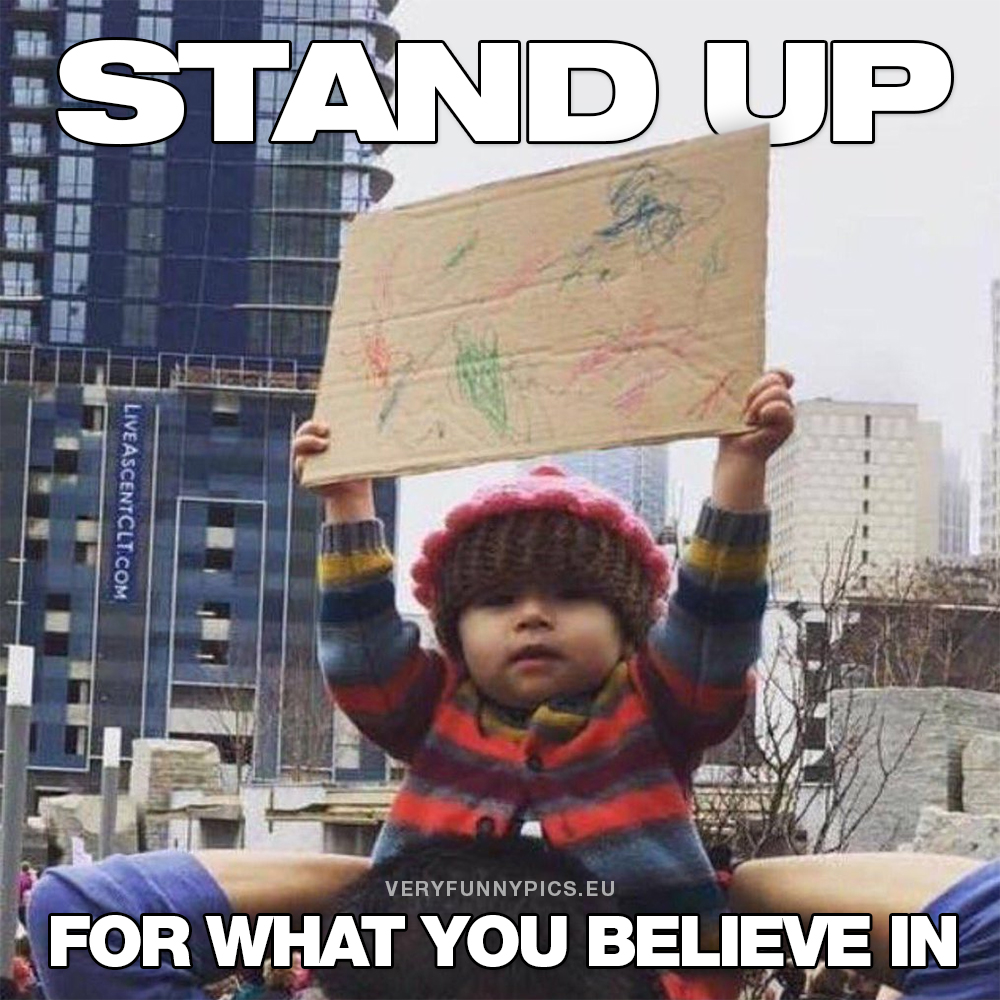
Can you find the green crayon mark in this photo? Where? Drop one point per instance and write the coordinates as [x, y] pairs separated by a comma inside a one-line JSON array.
[[461, 251], [713, 263], [480, 380]]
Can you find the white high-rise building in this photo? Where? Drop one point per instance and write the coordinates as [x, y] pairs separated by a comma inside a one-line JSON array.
[[989, 506], [869, 468], [956, 505]]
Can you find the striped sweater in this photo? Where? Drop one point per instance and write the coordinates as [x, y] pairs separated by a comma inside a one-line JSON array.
[[607, 775]]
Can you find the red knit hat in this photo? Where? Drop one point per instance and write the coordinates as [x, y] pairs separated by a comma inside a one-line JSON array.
[[542, 525]]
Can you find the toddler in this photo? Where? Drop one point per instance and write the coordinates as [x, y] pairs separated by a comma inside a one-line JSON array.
[[560, 696]]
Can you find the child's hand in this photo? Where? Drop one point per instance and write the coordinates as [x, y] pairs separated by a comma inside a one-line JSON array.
[[350, 500], [738, 483], [770, 409]]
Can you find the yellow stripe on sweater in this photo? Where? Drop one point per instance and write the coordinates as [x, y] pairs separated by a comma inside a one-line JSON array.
[[334, 569], [736, 565]]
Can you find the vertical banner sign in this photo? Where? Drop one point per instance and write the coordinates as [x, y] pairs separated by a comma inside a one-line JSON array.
[[124, 561]]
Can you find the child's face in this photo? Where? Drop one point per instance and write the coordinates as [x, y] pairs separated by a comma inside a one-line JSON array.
[[523, 647]]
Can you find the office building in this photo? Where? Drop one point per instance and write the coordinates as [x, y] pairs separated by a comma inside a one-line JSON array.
[[638, 475], [956, 509], [163, 312], [867, 471]]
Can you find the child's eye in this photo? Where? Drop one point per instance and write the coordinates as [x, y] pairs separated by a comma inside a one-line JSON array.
[[573, 594], [496, 600]]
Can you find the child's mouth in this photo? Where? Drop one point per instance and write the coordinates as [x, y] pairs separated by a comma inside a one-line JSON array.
[[534, 658]]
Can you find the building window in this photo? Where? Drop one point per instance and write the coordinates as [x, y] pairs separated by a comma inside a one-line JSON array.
[[81, 27], [815, 640], [214, 609], [36, 549], [29, 92], [69, 273], [37, 505], [55, 644], [66, 461], [219, 559], [76, 177], [19, 279], [139, 324], [32, 44], [147, 181], [58, 602], [868, 425], [77, 692], [866, 482], [864, 507], [20, 232], [225, 410], [68, 321], [221, 515], [75, 741], [864, 583], [85, 553], [24, 186], [145, 229], [213, 652], [26, 138], [92, 418], [16, 325], [868, 457], [864, 531], [864, 555], [155, 29], [72, 225]]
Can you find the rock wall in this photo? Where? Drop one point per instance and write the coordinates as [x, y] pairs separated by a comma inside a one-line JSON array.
[[944, 724]]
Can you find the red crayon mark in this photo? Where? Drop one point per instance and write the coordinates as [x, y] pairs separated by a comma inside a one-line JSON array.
[[634, 337], [712, 398], [524, 273], [629, 401], [378, 357]]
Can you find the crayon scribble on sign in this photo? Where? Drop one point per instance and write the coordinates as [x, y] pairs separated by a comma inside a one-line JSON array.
[[616, 302]]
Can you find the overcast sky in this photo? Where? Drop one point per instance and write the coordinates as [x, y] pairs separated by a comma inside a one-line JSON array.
[[880, 256]]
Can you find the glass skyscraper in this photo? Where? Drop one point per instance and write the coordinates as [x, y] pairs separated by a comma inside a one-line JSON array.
[[636, 474], [163, 313]]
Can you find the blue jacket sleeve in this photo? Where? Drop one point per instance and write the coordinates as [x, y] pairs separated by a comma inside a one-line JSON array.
[[976, 901], [161, 882]]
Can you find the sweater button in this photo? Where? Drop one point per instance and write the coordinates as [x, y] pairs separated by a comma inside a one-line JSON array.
[[534, 763], [485, 826]]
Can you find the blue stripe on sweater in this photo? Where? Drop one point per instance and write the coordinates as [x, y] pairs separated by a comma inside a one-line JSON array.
[[718, 656], [367, 652], [716, 606], [348, 605]]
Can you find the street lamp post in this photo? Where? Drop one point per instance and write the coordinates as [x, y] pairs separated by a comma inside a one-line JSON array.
[[109, 790], [17, 722]]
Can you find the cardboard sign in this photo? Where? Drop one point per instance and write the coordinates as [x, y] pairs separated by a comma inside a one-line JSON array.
[[616, 302]]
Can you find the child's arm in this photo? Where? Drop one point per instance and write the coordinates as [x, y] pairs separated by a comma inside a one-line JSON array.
[[371, 659], [695, 669]]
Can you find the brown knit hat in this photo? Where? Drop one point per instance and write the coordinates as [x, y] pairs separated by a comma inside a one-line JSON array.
[[543, 548]]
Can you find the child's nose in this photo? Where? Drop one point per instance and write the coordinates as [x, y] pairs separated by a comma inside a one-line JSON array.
[[534, 608]]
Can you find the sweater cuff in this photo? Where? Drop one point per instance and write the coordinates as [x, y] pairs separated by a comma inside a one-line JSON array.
[[731, 528], [352, 537], [352, 553]]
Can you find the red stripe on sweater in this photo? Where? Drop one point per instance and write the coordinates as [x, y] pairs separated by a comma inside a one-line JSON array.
[[437, 815], [602, 732], [627, 811], [453, 725], [379, 698], [697, 696]]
